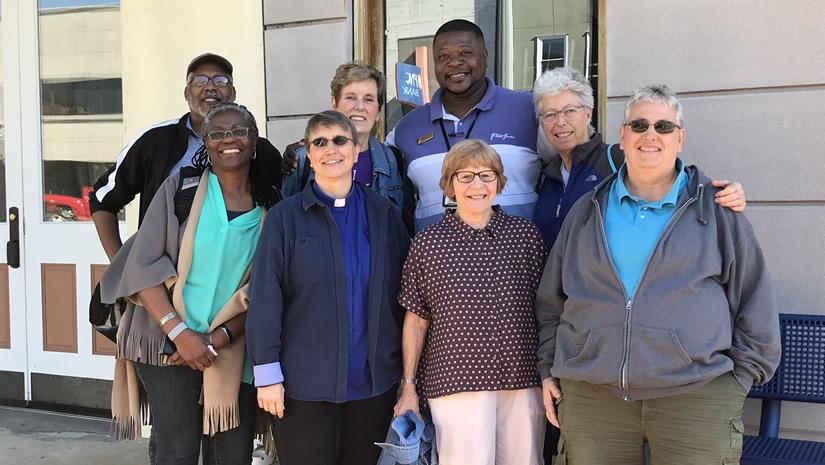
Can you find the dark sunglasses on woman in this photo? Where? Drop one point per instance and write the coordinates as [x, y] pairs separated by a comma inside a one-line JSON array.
[[662, 126], [339, 141]]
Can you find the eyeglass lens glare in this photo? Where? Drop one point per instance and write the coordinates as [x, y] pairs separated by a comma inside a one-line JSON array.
[[237, 133], [662, 126], [337, 140], [199, 80]]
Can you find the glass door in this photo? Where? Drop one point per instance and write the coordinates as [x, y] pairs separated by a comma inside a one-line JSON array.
[[64, 129], [13, 337]]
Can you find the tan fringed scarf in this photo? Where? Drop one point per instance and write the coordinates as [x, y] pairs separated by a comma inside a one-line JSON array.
[[140, 337]]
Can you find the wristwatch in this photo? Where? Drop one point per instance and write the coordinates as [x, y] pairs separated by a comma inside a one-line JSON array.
[[412, 381]]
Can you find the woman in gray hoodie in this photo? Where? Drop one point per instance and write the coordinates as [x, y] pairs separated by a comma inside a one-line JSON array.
[[654, 310]]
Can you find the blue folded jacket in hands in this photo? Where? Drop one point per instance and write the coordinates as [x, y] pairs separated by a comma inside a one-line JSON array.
[[409, 441]]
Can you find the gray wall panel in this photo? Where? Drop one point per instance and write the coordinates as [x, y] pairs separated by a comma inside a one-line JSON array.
[[790, 237], [708, 44], [771, 141], [282, 132], [287, 11], [299, 69]]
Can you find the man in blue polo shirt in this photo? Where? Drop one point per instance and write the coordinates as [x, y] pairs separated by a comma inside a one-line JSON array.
[[468, 106]]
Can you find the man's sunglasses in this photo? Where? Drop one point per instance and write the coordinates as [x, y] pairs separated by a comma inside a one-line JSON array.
[[339, 141], [199, 80], [662, 126], [218, 136]]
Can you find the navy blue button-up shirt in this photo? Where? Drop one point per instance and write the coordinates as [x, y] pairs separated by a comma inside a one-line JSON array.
[[298, 324]]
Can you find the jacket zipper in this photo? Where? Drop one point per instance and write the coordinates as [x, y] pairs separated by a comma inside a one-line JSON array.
[[623, 382], [564, 188]]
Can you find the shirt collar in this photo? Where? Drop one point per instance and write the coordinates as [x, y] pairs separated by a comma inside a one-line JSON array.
[[485, 104], [328, 201], [465, 231], [670, 198], [192, 132]]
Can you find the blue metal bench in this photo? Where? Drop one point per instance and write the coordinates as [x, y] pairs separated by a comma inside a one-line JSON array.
[[799, 378]]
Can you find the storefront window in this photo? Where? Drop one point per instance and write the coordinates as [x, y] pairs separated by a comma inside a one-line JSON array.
[[81, 101], [523, 38]]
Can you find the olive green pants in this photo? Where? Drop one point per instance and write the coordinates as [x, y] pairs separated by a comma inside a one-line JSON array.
[[702, 427]]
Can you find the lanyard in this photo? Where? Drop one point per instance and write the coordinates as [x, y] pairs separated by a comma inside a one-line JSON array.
[[466, 136]]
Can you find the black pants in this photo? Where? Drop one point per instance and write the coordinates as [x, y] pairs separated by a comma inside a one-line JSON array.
[[326, 433], [177, 420], [551, 443]]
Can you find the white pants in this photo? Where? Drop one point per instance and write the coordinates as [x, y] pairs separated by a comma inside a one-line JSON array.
[[489, 427]]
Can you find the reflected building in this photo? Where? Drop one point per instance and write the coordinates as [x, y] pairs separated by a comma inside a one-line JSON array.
[[82, 103]]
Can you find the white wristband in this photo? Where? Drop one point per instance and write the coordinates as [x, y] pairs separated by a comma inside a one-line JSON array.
[[179, 328]]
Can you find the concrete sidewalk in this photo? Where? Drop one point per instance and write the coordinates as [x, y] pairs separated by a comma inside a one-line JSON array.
[[30, 436]]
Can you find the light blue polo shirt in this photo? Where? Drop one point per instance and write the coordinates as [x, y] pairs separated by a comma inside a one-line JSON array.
[[633, 225]]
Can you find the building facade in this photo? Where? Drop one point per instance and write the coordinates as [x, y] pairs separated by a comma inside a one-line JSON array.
[[82, 77]]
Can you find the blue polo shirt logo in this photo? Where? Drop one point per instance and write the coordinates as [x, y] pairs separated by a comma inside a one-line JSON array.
[[504, 137]]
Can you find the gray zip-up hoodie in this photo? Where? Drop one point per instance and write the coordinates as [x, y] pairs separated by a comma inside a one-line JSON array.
[[703, 305]]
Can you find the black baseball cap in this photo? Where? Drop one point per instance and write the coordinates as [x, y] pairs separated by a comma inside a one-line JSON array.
[[209, 58]]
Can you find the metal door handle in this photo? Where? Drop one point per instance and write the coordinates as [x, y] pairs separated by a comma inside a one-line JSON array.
[[587, 51], [13, 245]]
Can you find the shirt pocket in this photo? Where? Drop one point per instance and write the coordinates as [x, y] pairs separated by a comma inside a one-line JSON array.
[[306, 262]]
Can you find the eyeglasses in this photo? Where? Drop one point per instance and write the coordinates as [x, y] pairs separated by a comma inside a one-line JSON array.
[[339, 141], [237, 133], [199, 80], [466, 177], [662, 126], [550, 117]]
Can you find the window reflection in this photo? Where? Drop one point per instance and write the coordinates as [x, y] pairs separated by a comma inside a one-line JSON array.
[[523, 38], [2, 133], [81, 101]]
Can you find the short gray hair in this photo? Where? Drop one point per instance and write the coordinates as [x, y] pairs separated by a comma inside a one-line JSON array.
[[556, 81], [248, 119], [331, 118], [655, 93]]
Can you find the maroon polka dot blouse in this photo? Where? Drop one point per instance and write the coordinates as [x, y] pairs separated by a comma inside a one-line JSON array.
[[477, 287]]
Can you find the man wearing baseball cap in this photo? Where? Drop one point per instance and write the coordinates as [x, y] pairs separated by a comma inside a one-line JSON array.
[[164, 148]]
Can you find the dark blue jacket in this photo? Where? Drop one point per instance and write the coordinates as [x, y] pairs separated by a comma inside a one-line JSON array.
[[298, 301], [590, 166]]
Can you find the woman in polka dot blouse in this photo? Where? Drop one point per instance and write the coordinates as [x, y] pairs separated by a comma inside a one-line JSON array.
[[469, 284]]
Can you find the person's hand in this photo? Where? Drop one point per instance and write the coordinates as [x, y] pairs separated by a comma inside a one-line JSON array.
[[290, 157], [732, 196], [175, 359], [551, 393], [271, 399], [407, 401], [218, 339], [193, 350]]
